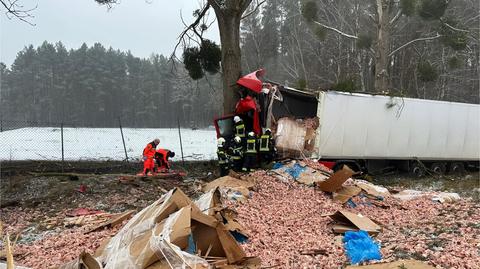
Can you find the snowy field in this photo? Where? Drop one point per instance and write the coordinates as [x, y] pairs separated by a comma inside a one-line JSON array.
[[102, 143]]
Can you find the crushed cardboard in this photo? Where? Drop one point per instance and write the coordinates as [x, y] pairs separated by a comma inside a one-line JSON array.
[[336, 181], [410, 264], [84, 261], [158, 237], [371, 189], [228, 182], [348, 221], [345, 193]]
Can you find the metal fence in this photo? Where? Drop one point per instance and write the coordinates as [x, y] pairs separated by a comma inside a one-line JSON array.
[[25, 140]]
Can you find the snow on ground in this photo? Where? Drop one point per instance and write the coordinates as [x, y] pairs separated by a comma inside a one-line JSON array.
[[102, 143]]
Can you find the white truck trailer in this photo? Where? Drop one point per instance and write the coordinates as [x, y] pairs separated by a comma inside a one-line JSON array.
[[371, 132]]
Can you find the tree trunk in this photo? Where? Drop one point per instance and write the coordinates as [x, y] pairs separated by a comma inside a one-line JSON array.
[[381, 52], [229, 27]]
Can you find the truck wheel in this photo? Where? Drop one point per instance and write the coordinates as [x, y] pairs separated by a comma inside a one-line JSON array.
[[456, 168], [417, 170], [438, 168]]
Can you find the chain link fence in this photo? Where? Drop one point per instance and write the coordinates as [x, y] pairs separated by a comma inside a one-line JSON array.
[[25, 140]]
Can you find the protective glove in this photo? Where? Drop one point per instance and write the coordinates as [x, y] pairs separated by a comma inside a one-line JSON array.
[[144, 158]]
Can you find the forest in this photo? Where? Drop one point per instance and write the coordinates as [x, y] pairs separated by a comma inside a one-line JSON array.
[[94, 86], [409, 48]]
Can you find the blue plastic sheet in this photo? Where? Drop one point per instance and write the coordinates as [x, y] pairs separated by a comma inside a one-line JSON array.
[[191, 245], [360, 247], [295, 171], [277, 165], [351, 203], [240, 238]]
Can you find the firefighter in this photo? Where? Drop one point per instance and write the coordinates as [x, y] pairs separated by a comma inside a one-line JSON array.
[[266, 147], [239, 128], [162, 158], [223, 160], [236, 152], [148, 155], [250, 153]]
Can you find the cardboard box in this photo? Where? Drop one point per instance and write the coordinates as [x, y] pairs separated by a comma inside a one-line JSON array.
[[345, 193], [336, 181], [348, 221]]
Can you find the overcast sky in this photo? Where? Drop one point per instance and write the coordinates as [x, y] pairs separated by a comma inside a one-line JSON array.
[[136, 25]]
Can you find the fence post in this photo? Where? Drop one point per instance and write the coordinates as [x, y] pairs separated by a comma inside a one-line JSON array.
[[180, 137], [63, 157], [123, 139]]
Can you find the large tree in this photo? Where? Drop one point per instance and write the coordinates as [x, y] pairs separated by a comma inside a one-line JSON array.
[[229, 14], [384, 17]]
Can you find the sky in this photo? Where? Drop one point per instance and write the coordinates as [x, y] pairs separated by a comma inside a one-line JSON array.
[[136, 25]]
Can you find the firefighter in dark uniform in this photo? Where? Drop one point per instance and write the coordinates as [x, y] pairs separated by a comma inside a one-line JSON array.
[[266, 147], [223, 160], [236, 153], [250, 153], [239, 128]]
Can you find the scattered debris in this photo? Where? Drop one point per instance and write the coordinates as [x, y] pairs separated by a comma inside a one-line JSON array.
[[348, 221], [360, 247], [402, 264], [161, 232], [336, 181]]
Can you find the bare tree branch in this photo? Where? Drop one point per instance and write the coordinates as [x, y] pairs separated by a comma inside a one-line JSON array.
[[413, 41], [257, 6], [336, 30], [455, 29], [13, 8], [399, 13], [192, 26]]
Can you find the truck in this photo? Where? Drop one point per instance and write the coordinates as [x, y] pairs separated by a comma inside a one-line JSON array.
[[372, 133]]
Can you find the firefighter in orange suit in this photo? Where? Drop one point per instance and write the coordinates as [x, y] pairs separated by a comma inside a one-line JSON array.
[[148, 155], [161, 157]]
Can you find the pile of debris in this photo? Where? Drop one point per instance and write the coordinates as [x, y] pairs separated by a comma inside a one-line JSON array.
[[296, 226], [173, 232]]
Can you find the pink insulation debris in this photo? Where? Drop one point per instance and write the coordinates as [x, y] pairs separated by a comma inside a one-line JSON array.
[[285, 220]]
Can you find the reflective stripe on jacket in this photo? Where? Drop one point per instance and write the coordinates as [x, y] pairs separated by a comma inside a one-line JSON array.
[[251, 145], [264, 143], [240, 130]]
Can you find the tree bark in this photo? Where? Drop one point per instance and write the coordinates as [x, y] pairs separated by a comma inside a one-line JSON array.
[[381, 52], [229, 15], [229, 27]]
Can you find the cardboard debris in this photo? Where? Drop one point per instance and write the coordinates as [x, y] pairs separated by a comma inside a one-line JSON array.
[[85, 261], [347, 221], [336, 181], [311, 177], [228, 182], [209, 202], [372, 190], [159, 235], [345, 193], [409, 264]]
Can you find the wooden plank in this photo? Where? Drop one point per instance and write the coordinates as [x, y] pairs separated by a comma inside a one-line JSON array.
[[112, 222]]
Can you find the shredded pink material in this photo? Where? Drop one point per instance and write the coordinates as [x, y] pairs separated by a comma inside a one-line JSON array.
[[284, 220]]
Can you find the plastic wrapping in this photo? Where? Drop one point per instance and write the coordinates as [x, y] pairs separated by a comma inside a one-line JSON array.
[[360, 247], [290, 137]]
